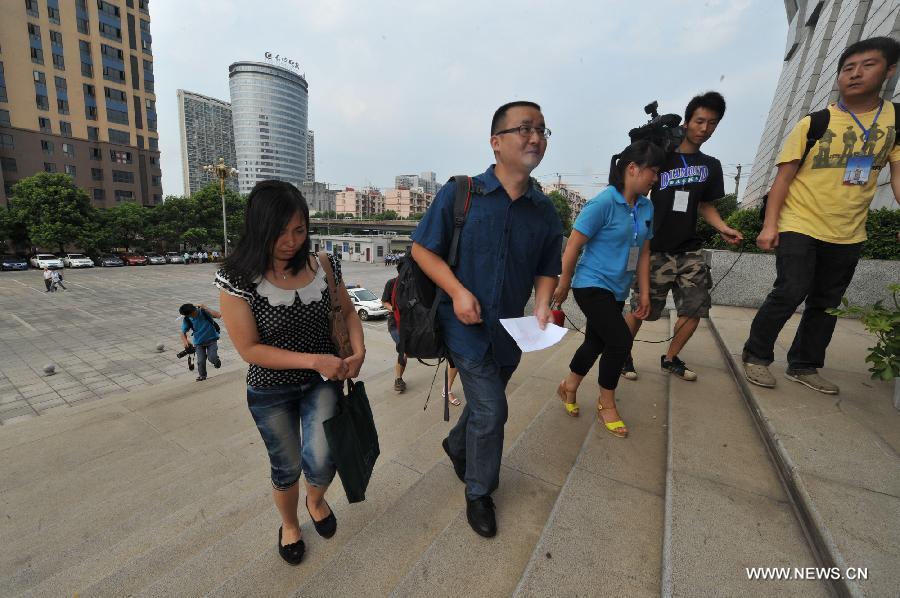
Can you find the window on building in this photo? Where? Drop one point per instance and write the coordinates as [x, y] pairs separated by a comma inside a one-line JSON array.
[[153, 143], [43, 103], [62, 106], [113, 74], [39, 77], [60, 83], [157, 198], [47, 146], [65, 128], [37, 56], [115, 94], [156, 180], [9, 165], [7, 142], [96, 174], [110, 32], [84, 26], [53, 15], [90, 112], [70, 170], [95, 154], [44, 125], [149, 86], [129, 3], [116, 116], [93, 133], [122, 176], [84, 47], [89, 90], [59, 62], [31, 7], [87, 69], [111, 51], [68, 149], [34, 31], [379, 251], [56, 37], [106, 7], [144, 5], [140, 140], [4, 118], [153, 160], [99, 194], [148, 66], [123, 195], [356, 248], [120, 137], [119, 157], [49, 167], [146, 45]]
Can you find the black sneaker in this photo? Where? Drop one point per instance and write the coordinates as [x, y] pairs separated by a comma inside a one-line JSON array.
[[217, 363], [399, 385], [201, 378], [190, 363], [628, 369], [482, 517], [677, 367]]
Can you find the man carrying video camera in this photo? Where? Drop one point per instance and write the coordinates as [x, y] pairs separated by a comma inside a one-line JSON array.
[[690, 182], [199, 320]]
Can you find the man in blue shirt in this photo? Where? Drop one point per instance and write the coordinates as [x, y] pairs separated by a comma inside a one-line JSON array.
[[199, 320], [510, 243]]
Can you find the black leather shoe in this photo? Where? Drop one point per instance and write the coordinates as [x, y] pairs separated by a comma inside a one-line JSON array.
[[480, 513], [459, 465], [292, 553], [326, 527]]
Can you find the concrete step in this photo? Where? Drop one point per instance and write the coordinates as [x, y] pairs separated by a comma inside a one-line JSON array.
[[603, 534], [725, 507]]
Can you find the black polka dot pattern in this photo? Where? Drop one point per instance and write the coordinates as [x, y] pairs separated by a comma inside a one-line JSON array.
[[304, 328]]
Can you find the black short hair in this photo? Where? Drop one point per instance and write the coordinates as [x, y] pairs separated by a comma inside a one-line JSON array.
[[645, 154], [187, 309], [711, 100], [889, 48], [270, 206], [500, 114]]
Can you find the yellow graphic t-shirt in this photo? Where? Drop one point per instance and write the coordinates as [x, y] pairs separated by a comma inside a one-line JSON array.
[[818, 202]]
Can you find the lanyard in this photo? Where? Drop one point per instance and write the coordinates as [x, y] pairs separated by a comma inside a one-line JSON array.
[[865, 131], [634, 221], [684, 178]]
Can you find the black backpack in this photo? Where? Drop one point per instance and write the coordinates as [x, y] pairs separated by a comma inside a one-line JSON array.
[[415, 296], [818, 124], [208, 317]]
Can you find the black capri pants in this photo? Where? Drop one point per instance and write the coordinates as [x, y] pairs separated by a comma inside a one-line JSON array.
[[606, 335]]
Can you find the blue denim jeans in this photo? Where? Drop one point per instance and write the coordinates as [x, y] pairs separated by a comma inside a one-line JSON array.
[[208, 352], [478, 435], [289, 419]]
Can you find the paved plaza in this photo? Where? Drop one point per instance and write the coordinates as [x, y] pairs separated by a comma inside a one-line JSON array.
[[102, 333]]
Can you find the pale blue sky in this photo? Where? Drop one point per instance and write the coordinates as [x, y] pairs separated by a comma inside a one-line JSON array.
[[404, 87]]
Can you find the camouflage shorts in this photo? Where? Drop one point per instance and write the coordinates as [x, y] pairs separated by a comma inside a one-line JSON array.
[[686, 275]]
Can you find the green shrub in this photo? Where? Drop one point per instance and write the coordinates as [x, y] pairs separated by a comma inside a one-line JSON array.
[[882, 228]]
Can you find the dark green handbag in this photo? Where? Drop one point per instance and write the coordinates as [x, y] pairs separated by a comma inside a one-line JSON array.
[[353, 441]]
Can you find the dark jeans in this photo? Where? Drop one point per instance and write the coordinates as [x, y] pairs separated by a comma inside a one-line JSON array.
[[606, 333], [210, 352], [809, 269], [478, 435]]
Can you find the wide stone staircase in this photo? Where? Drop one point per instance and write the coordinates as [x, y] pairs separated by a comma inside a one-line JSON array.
[[165, 492]]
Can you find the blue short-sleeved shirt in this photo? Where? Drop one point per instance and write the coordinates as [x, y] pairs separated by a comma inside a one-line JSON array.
[[606, 222], [504, 245], [203, 329]]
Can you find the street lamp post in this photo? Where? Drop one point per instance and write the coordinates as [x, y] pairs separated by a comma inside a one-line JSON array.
[[222, 172]]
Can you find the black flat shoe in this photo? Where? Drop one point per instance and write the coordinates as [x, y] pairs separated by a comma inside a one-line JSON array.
[[291, 553], [481, 516], [326, 527], [459, 465]]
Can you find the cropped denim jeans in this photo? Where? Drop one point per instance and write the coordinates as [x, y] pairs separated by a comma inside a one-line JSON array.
[[289, 419]]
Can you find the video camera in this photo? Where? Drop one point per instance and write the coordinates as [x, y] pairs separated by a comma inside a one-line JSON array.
[[664, 131], [189, 351]]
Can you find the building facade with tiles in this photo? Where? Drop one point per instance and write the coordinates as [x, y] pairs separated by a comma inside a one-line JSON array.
[[206, 135]]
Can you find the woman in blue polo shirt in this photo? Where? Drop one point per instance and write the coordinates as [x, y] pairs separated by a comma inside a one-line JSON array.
[[614, 229]]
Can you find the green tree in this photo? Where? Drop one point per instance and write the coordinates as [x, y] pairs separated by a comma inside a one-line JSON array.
[[563, 209], [125, 223], [195, 236], [206, 207], [726, 206], [52, 208]]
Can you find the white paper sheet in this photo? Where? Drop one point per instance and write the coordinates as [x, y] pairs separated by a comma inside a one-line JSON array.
[[529, 336]]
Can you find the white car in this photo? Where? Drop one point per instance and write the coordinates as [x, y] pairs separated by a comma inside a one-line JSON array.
[[173, 257], [156, 259], [367, 304], [77, 260], [46, 260]]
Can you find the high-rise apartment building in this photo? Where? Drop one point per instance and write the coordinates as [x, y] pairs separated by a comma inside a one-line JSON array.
[[269, 110], [318, 196], [819, 32], [77, 97], [407, 202], [310, 157], [207, 134], [359, 204]]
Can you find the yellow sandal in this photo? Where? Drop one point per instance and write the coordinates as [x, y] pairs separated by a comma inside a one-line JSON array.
[[562, 393], [616, 428]]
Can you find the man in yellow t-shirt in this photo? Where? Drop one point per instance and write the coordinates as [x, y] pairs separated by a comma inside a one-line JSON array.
[[815, 219]]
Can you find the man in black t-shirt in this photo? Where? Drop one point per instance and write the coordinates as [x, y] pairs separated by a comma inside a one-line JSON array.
[[400, 366], [690, 182]]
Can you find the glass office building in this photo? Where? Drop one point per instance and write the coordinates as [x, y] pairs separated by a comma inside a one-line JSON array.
[[269, 110]]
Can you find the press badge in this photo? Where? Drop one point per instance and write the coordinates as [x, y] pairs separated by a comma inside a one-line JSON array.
[[858, 170], [681, 201], [633, 252]]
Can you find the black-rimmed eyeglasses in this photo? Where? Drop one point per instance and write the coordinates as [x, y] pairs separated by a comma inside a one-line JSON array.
[[526, 130]]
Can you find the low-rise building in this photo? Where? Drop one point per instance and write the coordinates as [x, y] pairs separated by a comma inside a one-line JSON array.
[[318, 196], [359, 204], [354, 248], [407, 202]]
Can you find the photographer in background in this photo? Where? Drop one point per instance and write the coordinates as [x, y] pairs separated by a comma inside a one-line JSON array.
[[690, 182], [199, 320]]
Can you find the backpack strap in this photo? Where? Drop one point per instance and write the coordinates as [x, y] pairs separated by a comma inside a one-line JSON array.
[[818, 124], [460, 211], [896, 120]]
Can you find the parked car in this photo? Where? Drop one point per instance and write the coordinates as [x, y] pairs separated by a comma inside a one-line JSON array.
[[47, 260], [134, 259], [13, 262], [367, 304], [77, 260], [155, 259], [173, 257], [109, 260]]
